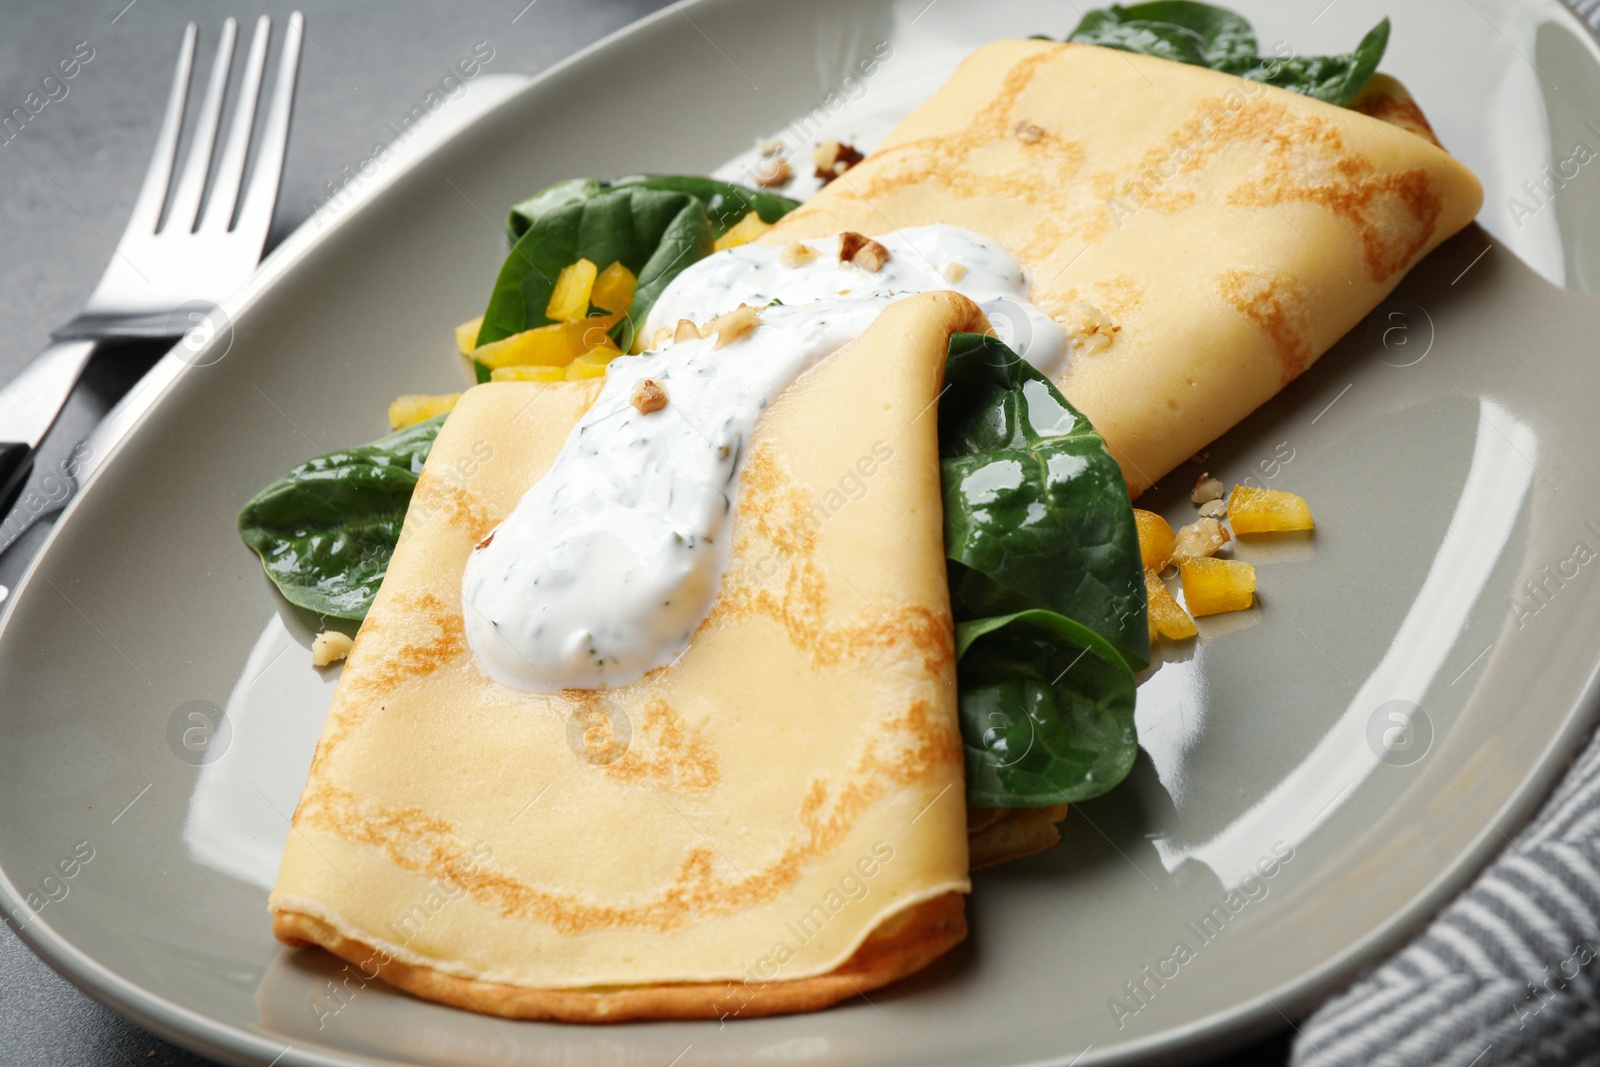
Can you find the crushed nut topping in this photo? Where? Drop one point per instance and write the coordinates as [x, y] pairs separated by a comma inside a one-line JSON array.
[[833, 158], [769, 146], [734, 325], [796, 254], [1214, 509], [648, 396], [871, 256], [1206, 489], [1089, 328], [862, 250], [954, 272], [329, 647], [1028, 133], [686, 331], [773, 173], [1201, 538]]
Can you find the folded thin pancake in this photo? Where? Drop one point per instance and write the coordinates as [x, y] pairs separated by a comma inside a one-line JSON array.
[[772, 823], [1202, 238]]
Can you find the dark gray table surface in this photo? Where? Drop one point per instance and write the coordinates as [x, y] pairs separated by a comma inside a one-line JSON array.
[[69, 179]]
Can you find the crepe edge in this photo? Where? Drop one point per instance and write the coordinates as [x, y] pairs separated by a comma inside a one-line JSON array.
[[995, 835], [902, 944]]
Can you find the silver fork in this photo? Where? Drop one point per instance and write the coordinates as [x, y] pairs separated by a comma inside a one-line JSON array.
[[167, 278]]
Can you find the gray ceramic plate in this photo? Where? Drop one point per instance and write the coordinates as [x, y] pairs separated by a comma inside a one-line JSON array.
[[1403, 696]]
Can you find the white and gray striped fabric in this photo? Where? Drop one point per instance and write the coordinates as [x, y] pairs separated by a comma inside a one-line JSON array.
[[1508, 974]]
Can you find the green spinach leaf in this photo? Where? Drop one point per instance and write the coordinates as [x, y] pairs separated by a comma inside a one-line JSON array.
[[1335, 79], [1194, 33], [1046, 584], [1208, 36], [1046, 710], [725, 202], [655, 225], [325, 531], [1036, 512]]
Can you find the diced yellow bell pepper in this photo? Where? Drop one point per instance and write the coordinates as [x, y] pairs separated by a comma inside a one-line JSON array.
[[1252, 511], [742, 232], [554, 345], [1212, 586], [613, 290], [569, 300], [596, 340], [551, 346], [528, 374], [591, 364], [414, 407], [467, 335], [1155, 539], [1167, 618]]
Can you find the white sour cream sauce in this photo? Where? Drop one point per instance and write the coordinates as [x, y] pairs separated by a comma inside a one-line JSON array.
[[611, 561]]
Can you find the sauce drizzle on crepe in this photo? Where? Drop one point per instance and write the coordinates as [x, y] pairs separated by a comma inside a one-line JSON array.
[[612, 560]]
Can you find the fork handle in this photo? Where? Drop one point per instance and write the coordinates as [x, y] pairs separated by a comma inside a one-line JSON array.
[[30, 404]]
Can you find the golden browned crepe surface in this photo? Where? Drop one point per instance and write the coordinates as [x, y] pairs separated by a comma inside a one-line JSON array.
[[1201, 237], [773, 822]]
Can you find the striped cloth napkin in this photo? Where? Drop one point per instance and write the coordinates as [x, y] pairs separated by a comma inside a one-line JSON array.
[[1509, 974]]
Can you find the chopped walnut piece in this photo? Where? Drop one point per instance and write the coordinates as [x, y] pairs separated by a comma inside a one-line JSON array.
[[796, 254], [1028, 133], [871, 256], [735, 324], [773, 173], [329, 647], [954, 272], [686, 331], [1089, 328], [1214, 509], [1206, 489], [1199, 539], [648, 396], [833, 158], [862, 250]]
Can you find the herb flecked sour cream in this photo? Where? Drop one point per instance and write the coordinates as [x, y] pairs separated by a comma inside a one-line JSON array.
[[609, 563]]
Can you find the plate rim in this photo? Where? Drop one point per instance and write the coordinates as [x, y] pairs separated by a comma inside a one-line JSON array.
[[1211, 1034]]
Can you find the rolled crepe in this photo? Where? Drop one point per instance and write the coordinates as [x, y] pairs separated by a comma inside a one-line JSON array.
[[774, 822], [1202, 238]]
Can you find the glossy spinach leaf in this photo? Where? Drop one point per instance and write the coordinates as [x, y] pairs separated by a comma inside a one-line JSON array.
[[325, 531], [1181, 30], [655, 225], [654, 233], [1208, 36], [725, 202], [1046, 710], [1036, 512], [1335, 79]]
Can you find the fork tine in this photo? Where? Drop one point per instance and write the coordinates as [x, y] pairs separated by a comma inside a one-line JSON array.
[[192, 182], [230, 168], [147, 206], [255, 217]]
